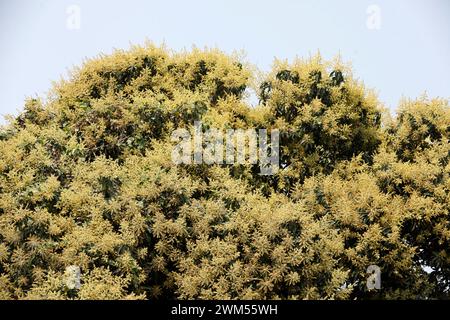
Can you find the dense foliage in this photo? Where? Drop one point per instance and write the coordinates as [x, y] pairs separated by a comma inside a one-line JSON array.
[[87, 179]]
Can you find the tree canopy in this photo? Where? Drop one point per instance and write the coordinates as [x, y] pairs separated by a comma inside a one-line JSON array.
[[87, 179]]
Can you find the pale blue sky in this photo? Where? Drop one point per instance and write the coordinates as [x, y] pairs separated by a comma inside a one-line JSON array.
[[408, 55]]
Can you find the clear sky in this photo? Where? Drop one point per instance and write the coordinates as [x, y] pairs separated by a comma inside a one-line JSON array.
[[398, 47]]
